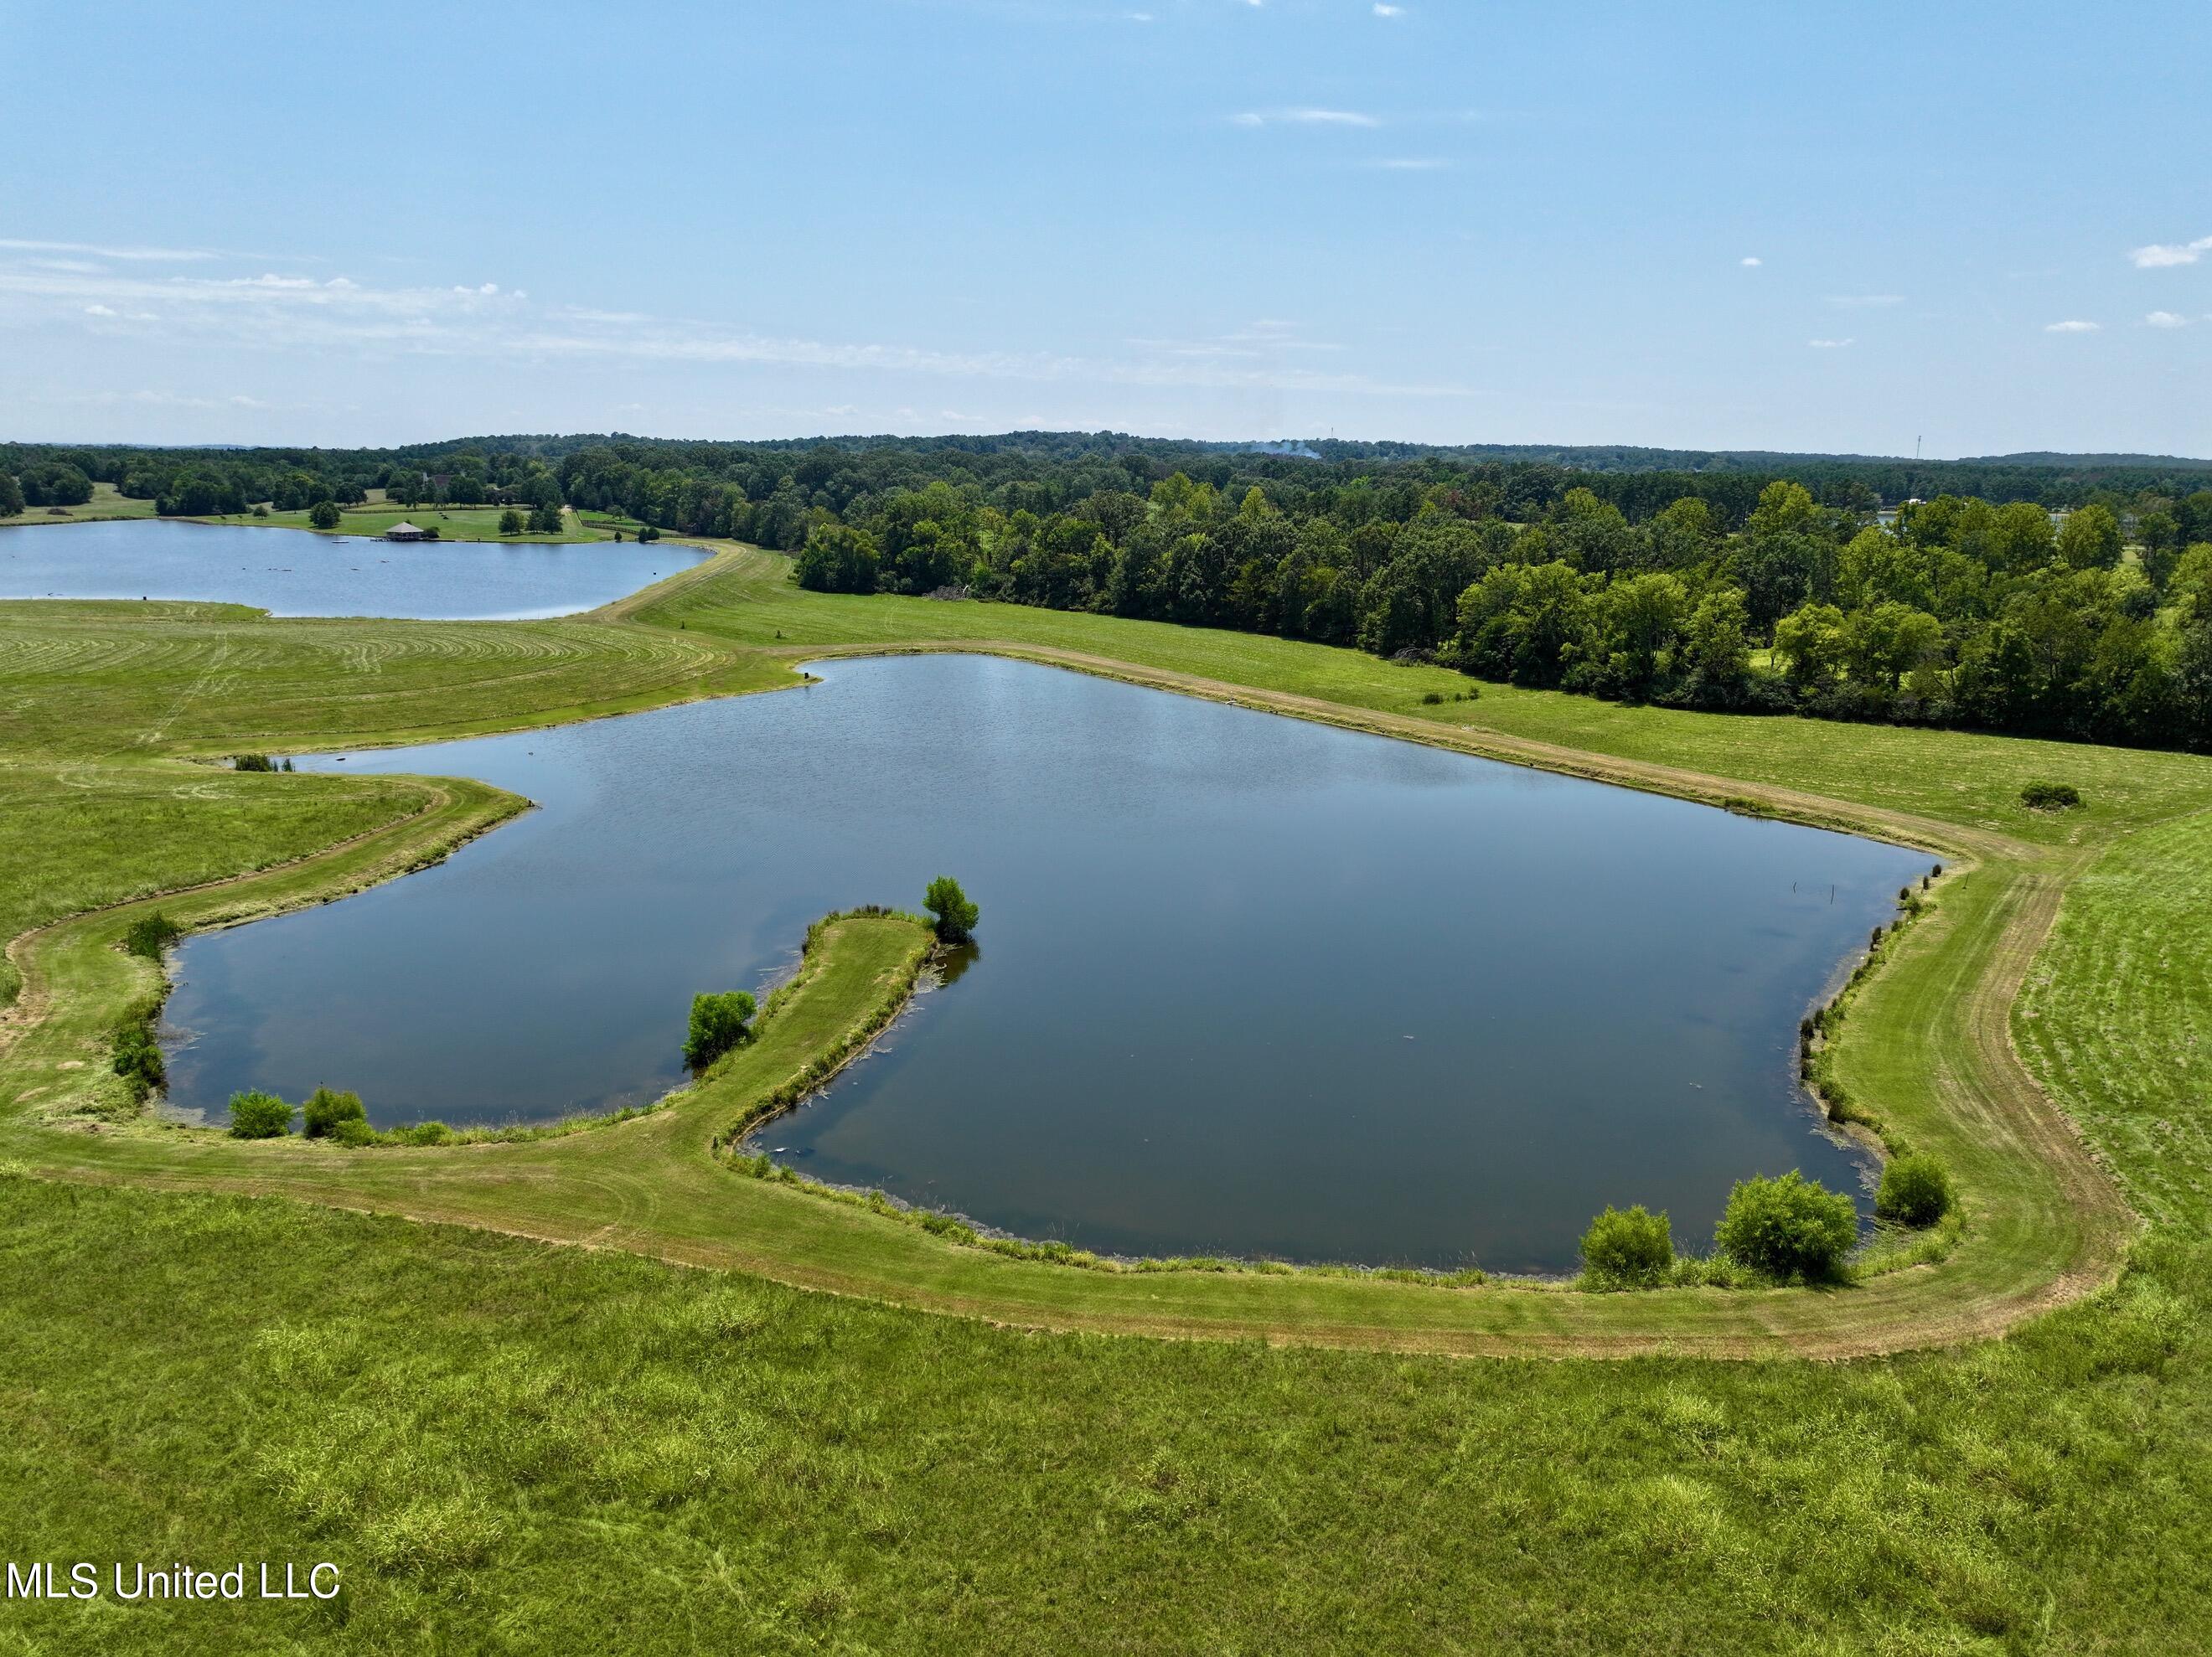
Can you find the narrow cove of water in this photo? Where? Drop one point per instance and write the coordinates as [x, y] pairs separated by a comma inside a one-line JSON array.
[[292, 573], [1244, 985]]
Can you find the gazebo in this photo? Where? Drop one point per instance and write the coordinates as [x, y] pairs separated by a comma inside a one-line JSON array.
[[406, 531]]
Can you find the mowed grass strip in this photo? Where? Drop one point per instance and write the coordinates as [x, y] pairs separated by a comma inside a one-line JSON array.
[[106, 677], [2116, 1018]]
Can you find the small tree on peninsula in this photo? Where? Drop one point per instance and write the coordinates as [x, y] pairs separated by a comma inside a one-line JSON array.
[[949, 907], [720, 1022]]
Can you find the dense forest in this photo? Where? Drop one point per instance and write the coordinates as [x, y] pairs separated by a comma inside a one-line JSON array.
[[2066, 596]]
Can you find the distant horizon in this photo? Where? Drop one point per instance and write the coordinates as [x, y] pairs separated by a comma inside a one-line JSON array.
[[2021, 457]]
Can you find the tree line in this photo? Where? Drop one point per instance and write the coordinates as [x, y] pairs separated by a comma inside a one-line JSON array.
[[2092, 623]]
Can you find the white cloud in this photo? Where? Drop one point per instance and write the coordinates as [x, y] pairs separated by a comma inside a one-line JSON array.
[[98, 311], [163, 255], [2167, 319], [2158, 255], [276, 311], [1751, 262], [1830, 344], [1306, 117], [2072, 325], [1382, 10]]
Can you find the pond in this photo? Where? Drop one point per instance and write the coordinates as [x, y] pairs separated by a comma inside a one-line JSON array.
[[1245, 985], [293, 573]]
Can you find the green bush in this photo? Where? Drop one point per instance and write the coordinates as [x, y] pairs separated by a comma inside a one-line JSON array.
[[324, 1109], [510, 522], [432, 1132], [252, 762], [351, 1131], [138, 1057], [150, 935], [325, 514], [719, 1023], [1916, 1190], [949, 906], [1788, 1227], [257, 1115], [2051, 797], [1627, 1248]]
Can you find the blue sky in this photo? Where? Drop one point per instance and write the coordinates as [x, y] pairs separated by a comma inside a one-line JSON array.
[[1727, 225]]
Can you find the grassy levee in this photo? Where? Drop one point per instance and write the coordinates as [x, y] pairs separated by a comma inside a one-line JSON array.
[[1926, 1049]]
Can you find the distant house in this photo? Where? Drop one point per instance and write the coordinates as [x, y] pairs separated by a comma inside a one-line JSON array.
[[405, 532]]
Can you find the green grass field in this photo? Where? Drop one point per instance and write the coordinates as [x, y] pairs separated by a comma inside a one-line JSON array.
[[105, 503], [510, 1445]]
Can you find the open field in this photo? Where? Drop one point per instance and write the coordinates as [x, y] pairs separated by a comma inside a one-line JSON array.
[[513, 1448], [119, 678], [927, 1473], [105, 503]]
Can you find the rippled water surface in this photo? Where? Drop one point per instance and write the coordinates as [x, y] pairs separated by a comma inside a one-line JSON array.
[[293, 573], [1245, 985]]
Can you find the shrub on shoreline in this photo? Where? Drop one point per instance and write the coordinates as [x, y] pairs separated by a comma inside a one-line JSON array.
[[1788, 1227], [150, 935], [138, 1057], [1916, 1190], [327, 1109], [1627, 1248], [257, 1115]]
